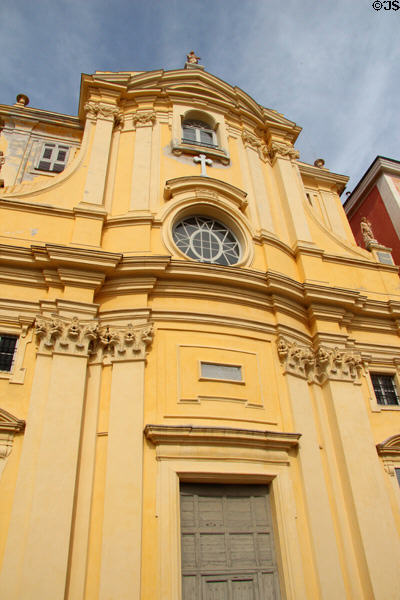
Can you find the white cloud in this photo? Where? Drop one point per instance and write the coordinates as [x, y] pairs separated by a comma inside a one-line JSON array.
[[331, 67]]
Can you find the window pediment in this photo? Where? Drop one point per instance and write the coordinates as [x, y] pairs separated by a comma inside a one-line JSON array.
[[202, 187], [390, 447]]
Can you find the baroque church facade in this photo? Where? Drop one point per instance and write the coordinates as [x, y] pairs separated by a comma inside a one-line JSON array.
[[199, 366]]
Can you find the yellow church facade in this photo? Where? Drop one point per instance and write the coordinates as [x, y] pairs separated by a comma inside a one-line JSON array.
[[199, 384]]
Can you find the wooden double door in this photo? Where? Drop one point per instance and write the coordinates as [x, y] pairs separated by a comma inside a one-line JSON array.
[[227, 543]]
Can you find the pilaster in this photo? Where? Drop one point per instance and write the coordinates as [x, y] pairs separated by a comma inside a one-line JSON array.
[[374, 529], [257, 151], [140, 187], [367, 509], [36, 556], [282, 157], [298, 363], [122, 525], [103, 116]]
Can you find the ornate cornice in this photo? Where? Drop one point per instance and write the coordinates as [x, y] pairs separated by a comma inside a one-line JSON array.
[[101, 110], [99, 342], [144, 119], [320, 364], [282, 150]]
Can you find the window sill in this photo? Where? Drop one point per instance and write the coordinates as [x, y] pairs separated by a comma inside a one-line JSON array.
[[211, 152]]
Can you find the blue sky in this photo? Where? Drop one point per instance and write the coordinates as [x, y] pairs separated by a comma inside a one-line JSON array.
[[331, 66]]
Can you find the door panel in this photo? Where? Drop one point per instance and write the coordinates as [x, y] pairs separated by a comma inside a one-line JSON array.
[[227, 543]]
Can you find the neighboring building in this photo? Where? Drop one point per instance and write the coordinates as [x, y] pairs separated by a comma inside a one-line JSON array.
[[199, 367], [377, 198]]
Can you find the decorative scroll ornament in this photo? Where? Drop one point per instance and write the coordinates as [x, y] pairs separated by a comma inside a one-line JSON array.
[[144, 119], [99, 342], [321, 364], [100, 110], [256, 143], [281, 150]]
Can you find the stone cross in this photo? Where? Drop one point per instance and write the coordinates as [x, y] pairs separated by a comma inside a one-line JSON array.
[[203, 160]]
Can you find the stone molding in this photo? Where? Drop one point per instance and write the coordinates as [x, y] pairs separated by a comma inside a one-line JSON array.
[[144, 119], [204, 187], [252, 141], [282, 150], [197, 435], [101, 110], [320, 364], [88, 338], [9, 426], [389, 451]]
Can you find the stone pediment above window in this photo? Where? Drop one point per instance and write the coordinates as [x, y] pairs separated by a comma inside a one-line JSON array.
[[9, 423], [390, 447], [201, 187]]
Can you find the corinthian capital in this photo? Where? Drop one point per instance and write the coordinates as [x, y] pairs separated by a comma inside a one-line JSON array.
[[321, 364], [123, 343], [282, 150], [101, 110], [144, 119], [69, 336], [252, 141]]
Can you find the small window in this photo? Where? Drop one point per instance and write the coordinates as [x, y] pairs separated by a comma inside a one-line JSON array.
[[53, 158], [198, 133], [218, 371], [385, 389], [8, 346]]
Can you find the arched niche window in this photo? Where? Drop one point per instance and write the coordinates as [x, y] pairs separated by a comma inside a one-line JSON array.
[[198, 132]]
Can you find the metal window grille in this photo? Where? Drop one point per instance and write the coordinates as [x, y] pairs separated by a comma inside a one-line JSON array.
[[8, 345], [385, 389]]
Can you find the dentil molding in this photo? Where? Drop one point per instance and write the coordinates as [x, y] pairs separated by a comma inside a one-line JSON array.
[[100, 342], [321, 364]]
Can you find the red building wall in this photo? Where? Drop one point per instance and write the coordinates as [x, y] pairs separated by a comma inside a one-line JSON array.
[[374, 209]]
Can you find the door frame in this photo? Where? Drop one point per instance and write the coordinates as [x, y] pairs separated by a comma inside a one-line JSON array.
[[225, 455]]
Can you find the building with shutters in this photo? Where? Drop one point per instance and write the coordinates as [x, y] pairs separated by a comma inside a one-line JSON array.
[[199, 366]]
